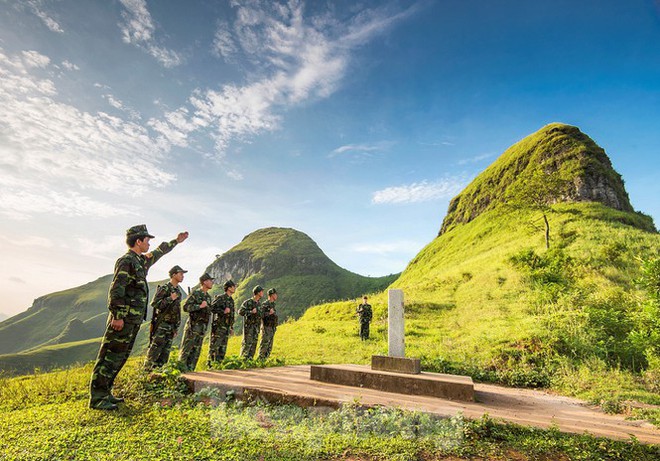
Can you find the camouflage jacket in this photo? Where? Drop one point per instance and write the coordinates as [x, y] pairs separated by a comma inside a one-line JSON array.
[[129, 292], [269, 320], [220, 303], [245, 311], [166, 309], [365, 313], [198, 314]]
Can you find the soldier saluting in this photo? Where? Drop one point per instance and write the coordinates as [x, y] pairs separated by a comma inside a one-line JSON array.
[[250, 311], [127, 302], [198, 305], [222, 325], [165, 321]]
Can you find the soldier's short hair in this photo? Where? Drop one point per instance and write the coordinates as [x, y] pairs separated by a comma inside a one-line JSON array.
[[228, 284], [131, 239]]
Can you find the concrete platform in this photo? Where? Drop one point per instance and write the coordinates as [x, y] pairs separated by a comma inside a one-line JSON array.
[[408, 365], [440, 385], [527, 407]]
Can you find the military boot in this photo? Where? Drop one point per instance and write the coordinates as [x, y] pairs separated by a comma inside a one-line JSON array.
[[115, 400], [103, 405]]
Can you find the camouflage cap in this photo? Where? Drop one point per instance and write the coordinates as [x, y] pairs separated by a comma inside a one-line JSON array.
[[175, 270], [138, 231], [205, 277], [228, 284], [272, 291], [257, 289]]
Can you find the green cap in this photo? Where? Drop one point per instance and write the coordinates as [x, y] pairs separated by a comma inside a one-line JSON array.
[[228, 284], [272, 291], [175, 270], [138, 231], [205, 277], [257, 289]]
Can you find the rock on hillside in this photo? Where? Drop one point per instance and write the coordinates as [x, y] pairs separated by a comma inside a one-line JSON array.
[[554, 148]]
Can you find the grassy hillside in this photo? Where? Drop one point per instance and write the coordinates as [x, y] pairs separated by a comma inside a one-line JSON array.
[[293, 263], [71, 315]]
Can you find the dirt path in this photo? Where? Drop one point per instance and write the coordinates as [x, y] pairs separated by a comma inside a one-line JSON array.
[[527, 407]]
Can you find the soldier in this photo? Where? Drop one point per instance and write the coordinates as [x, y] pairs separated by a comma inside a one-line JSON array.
[[268, 324], [222, 325], [252, 315], [165, 320], [198, 305], [364, 313], [127, 302]]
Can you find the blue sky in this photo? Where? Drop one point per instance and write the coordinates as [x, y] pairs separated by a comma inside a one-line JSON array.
[[352, 121]]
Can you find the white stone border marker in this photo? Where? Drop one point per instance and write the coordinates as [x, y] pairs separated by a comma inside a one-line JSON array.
[[395, 330]]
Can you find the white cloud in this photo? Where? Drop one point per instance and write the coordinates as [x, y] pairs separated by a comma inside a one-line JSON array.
[[138, 29], [69, 65], [419, 192], [67, 153], [358, 149], [35, 59], [119, 105], [29, 241], [295, 58], [35, 6]]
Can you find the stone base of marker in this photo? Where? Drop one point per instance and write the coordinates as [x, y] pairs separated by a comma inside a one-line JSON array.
[[428, 384], [410, 366]]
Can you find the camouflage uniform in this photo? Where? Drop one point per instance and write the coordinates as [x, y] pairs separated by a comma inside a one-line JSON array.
[[365, 313], [221, 326], [268, 327], [193, 334], [127, 300], [164, 325], [250, 328]]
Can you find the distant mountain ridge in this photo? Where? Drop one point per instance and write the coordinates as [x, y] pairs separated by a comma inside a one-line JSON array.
[[556, 147]]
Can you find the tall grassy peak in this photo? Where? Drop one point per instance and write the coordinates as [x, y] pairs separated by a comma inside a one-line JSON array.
[[558, 149], [292, 262]]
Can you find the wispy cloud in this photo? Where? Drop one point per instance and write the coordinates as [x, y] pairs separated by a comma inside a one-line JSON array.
[[423, 191], [66, 153], [138, 29], [295, 59], [358, 149], [119, 105], [69, 65], [476, 158], [36, 8]]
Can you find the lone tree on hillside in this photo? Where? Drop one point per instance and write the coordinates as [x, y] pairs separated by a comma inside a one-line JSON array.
[[539, 192]]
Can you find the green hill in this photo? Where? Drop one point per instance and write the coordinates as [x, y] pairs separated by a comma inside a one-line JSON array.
[[293, 263], [555, 149]]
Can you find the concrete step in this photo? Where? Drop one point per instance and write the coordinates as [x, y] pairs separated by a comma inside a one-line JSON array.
[[439, 385]]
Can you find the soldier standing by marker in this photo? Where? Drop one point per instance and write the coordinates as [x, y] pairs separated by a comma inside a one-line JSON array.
[[165, 320], [222, 325], [251, 313], [127, 302], [365, 314], [198, 305], [268, 324]]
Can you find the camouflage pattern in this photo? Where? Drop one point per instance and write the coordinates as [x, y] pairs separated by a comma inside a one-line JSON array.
[[127, 300], [365, 314], [221, 326], [160, 346], [164, 325], [193, 334], [250, 328], [268, 327]]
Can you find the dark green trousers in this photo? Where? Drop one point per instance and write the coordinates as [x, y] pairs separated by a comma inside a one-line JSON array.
[[114, 351]]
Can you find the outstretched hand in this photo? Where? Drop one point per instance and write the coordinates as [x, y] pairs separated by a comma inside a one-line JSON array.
[[181, 237]]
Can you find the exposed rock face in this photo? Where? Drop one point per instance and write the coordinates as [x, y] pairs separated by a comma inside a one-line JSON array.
[[556, 148]]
